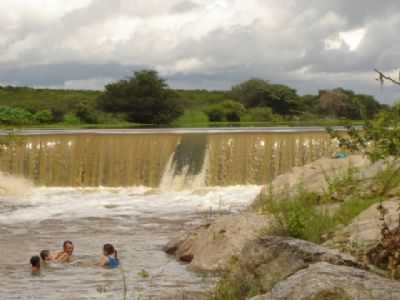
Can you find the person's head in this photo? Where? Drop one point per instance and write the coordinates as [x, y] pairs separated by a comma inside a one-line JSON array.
[[45, 255], [109, 249], [68, 247], [35, 262]]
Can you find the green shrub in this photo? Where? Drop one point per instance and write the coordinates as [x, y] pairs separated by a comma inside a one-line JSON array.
[[43, 117], [71, 119], [86, 113], [15, 116], [300, 218], [228, 110], [215, 114]]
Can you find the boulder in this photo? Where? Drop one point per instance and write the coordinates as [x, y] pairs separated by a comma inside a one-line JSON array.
[[212, 246], [364, 231], [324, 281], [314, 176], [270, 259]]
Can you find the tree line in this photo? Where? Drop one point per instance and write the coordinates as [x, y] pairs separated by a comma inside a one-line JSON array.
[[146, 98]]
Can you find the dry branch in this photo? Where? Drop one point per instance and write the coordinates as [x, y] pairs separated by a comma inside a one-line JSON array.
[[383, 77]]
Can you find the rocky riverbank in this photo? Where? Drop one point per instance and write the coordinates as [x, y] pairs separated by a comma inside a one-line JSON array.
[[256, 263]]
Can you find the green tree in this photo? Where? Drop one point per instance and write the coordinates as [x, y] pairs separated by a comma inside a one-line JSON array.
[[341, 103], [260, 93], [144, 98]]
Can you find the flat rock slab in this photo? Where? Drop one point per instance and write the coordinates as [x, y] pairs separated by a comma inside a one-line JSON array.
[[324, 281], [212, 246], [270, 259]]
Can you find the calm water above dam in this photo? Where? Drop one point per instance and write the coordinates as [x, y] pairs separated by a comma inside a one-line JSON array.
[[133, 189]]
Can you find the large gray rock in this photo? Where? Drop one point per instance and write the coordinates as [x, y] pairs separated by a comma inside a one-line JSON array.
[[211, 246], [364, 231], [314, 176], [269, 260], [324, 281]]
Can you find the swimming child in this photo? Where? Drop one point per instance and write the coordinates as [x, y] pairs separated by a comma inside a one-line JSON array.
[[109, 258], [65, 256], [45, 256], [35, 262]]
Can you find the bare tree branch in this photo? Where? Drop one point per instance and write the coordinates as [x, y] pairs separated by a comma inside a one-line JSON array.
[[383, 77]]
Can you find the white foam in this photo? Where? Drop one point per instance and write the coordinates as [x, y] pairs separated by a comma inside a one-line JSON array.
[[14, 187], [75, 203]]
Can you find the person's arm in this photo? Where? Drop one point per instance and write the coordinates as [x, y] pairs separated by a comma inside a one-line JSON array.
[[63, 258], [103, 261]]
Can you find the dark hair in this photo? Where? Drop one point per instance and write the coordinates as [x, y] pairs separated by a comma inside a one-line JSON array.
[[44, 254], [66, 243], [109, 249], [35, 261]]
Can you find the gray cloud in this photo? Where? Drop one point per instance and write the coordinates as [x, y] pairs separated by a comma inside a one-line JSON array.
[[205, 44], [184, 7]]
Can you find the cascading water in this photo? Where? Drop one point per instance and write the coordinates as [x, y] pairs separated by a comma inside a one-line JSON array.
[[187, 167], [133, 190]]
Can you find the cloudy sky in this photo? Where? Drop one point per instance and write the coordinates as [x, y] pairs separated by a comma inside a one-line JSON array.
[[212, 44]]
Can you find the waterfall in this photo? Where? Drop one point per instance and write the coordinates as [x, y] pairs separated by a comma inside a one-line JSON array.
[[168, 161], [183, 179]]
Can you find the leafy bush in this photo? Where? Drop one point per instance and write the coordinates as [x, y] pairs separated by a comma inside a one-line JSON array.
[[15, 116], [43, 117], [215, 113], [86, 113], [71, 119], [228, 110]]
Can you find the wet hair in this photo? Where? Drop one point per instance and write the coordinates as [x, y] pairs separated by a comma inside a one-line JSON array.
[[109, 249], [44, 254], [66, 243], [35, 261]]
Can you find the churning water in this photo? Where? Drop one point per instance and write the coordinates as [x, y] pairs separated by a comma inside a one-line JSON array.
[[133, 190]]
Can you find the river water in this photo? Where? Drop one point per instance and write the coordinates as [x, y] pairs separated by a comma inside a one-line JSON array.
[[135, 189]]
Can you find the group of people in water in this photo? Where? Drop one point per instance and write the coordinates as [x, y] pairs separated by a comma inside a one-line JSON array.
[[109, 258]]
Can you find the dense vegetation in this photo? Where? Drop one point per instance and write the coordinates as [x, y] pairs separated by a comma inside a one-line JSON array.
[[145, 98]]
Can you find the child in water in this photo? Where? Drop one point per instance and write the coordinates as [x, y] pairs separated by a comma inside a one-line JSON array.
[[35, 262], [45, 256], [109, 258]]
